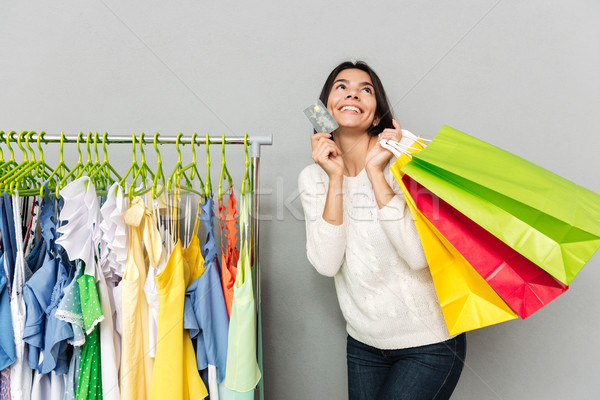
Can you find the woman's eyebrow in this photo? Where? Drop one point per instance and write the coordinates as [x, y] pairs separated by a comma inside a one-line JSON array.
[[347, 82]]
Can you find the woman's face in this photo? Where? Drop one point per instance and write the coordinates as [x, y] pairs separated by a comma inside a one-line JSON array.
[[351, 100]]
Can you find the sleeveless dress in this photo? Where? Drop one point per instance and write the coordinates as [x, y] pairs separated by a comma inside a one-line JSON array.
[[176, 375], [136, 364]]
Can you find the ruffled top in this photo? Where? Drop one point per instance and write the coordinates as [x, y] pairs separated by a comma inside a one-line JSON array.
[[115, 235]]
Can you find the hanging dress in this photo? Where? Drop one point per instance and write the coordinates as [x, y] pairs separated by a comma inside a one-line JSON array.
[[175, 372], [20, 373], [113, 255], [206, 314], [45, 335], [115, 246], [229, 252], [7, 341], [157, 258], [136, 364], [80, 237], [242, 373]]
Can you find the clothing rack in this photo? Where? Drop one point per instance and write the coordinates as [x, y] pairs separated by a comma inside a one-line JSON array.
[[254, 151]]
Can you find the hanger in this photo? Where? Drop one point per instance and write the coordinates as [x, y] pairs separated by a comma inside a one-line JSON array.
[[208, 184], [38, 170], [22, 179], [74, 173], [59, 172], [224, 171], [142, 172], [159, 171], [86, 168], [99, 180], [193, 166], [132, 169], [8, 178], [178, 172], [11, 163], [1, 152], [106, 170], [245, 179]]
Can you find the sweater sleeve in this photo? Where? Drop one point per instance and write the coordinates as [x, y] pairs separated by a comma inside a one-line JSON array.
[[398, 224], [325, 242]]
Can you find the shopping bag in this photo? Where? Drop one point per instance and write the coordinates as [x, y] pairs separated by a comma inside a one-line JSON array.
[[520, 283], [467, 301], [548, 219]]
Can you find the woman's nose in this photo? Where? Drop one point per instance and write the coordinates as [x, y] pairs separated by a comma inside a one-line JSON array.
[[352, 95]]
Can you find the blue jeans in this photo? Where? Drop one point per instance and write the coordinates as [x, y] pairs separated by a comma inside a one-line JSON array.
[[428, 372]]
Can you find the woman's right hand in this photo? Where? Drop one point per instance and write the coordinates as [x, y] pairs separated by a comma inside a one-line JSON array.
[[327, 154]]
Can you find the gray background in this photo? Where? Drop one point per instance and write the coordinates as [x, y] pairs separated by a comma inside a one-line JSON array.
[[520, 75]]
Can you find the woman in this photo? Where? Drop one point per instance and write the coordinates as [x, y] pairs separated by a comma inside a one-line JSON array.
[[360, 231]]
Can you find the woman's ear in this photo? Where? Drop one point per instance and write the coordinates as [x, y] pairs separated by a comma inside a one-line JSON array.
[[375, 121]]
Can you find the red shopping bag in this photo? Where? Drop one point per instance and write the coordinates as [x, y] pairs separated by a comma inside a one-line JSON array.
[[519, 282]]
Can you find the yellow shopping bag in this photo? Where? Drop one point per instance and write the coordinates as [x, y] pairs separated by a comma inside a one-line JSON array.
[[467, 301]]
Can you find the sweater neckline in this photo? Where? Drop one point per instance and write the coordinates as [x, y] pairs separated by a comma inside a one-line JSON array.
[[361, 172]]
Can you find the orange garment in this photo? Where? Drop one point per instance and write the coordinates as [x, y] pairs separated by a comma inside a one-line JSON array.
[[229, 253]]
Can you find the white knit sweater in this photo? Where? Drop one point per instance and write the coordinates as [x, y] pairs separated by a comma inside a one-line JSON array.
[[382, 279]]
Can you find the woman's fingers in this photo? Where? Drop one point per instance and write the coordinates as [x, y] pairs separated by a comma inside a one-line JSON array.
[[392, 134], [323, 149]]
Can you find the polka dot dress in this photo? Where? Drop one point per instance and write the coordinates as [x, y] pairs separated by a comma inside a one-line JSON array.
[[89, 383]]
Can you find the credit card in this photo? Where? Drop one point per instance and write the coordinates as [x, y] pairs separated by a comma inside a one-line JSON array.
[[320, 118]]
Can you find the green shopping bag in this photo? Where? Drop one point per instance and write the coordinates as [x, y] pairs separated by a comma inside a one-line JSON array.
[[548, 219]]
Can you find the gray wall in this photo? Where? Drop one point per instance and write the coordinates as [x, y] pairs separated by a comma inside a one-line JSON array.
[[521, 75]]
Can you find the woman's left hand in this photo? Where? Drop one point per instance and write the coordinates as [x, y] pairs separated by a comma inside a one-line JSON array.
[[378, 157]]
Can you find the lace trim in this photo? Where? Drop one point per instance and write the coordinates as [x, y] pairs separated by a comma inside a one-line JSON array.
[[96, 322], [70, 317], [76, 343]]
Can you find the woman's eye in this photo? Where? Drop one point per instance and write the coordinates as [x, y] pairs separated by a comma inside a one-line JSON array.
[[367, 90], [341, 87]]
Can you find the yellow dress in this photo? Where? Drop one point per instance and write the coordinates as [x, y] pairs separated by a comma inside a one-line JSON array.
[[136, 365], [175, 372]]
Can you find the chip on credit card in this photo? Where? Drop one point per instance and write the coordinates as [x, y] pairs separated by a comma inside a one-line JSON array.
[[320, 118]]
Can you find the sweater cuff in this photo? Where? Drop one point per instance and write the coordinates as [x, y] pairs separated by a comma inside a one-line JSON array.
[[392, 211], [330, 230]]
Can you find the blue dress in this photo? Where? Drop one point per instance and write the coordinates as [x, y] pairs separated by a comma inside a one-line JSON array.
[[205, 313], [7, 341], [43, 332]]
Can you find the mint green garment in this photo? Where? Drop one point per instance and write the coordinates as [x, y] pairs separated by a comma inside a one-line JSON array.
[[548, 219], [89, 383], [242, 373]]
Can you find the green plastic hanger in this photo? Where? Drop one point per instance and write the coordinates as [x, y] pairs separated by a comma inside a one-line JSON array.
[[224, 171], [59, 172], [193, 166], [42, 170], [208, 183], [176, 172], [9, 183], [144, 172], [245, 179], [86, 168], [39, 170], [1, 152], [133, 169], [9, 173], [99, 180], [106, 171], [159, 171], [22, 179], [74, 173]]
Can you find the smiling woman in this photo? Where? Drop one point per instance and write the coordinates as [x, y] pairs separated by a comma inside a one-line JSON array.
[[360, 231]]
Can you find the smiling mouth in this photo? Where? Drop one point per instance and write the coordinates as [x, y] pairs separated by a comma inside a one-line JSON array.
[[351, 108]]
